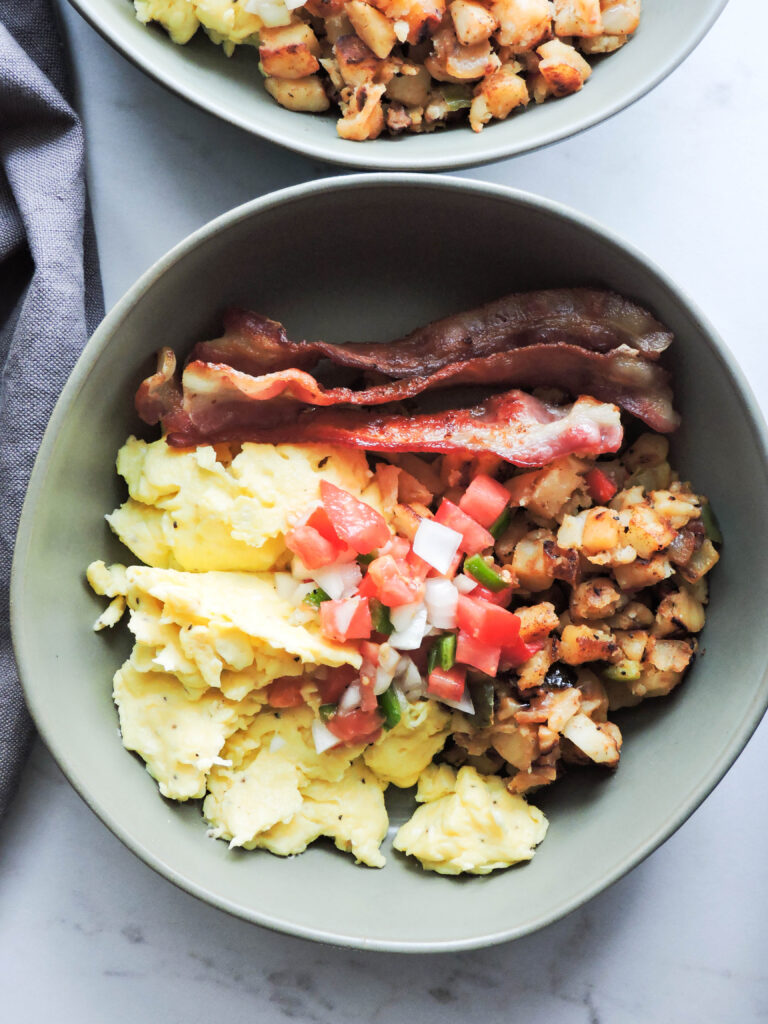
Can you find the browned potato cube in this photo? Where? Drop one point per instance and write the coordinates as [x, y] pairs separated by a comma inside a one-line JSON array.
[[290, 51]]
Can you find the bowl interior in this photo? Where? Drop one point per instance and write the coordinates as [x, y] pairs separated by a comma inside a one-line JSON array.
[[232, 89], [306, 258]]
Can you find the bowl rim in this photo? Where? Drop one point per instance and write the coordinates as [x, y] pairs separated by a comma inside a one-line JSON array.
[[93, 350], [367, 159]]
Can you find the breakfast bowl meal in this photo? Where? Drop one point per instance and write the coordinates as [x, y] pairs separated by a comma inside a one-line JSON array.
[[361, 83], [403, 607]]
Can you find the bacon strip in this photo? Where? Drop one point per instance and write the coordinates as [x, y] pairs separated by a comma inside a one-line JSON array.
[[215, 396], [597, 320], [517, 427]]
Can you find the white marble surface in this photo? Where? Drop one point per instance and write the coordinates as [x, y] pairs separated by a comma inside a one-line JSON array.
[[89, 934]]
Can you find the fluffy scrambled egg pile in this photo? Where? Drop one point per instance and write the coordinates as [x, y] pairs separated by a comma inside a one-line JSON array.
[[212, 631]]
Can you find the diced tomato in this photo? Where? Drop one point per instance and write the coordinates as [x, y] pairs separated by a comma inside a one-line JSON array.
[[368, 701], [394, 582], [370, 652], [335, 683], [449, 685], [356, 726], [484, 657], [485, 499], [319, 521], [501, 597], [367, 586], [311, 546], [518, 653], [349, 619], [474, 537], [600, 486], [356, 523], [487, 622], [285, 692], [396, 546], [418, 566]]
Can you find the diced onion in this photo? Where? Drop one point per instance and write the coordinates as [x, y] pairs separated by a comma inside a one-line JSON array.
[[436, 544], [410, 622], [272, 12], [302, 590], [350, 698], [344, 616], [464, 584], [285, 585], [338, 580], [465, 704], [299, 571], [323, 737], [441, 599]]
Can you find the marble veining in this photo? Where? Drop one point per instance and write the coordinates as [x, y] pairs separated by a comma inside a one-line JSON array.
[[88, 933]]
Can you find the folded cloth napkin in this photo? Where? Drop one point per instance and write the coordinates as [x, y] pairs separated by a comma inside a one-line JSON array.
[[50, 293]]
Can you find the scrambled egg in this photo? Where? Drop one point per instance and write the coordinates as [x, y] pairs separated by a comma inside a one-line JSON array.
[[212, 631], [469, 822], [199, 510], [226, 22]]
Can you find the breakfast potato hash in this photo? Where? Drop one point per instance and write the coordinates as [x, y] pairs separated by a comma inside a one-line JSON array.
[[313, 624], [409, 65]]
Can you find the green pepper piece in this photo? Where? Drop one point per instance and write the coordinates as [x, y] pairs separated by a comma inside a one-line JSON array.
[[363, 560], [434, 652], [484, 574], [380, 620], [457, 97], [710, 523], [625, 671], [390, 706], [498, 526], [316, 597], [327, 711], [446, 651], [483, 695]]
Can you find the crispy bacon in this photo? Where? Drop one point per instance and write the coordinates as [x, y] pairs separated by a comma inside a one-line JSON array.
[[215, 394], [589, 318], [517, 427]]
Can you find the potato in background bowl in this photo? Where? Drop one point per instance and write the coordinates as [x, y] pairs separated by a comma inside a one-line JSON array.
[[233, 89], [304, 257]]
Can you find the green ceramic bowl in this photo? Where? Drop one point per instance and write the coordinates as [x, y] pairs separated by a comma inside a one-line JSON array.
[[232, 90], [306, 257]]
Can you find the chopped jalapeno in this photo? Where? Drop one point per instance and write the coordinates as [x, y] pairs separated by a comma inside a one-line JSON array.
[[363, 560], [432, 659], [498, 526], [710, 523], [457, 97], [484, 574], [625, 671], [390, 706], [446, 651], [483, 695], [380, 620], [316, 597], [326, 710]]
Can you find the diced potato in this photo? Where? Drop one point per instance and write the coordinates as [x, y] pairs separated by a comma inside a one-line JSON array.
[[601, 742], [545, 491], [413, 91], [620, 17], [290, 51], [642, 573], [632, 643], [677, 510], [472, 21], [594, 698], [497, 96], [531, 565], [595, 598], [578, 18], [601, 44], [701, 562], [374, 28], [363, 117], [580, 644], [305, 94], [414, 20], [601, 531], [358, 64], [523, 24], [452, 62], [647, 532], [563, 67], [337, 26], [655, 683], [537, 621], [649, 450], [533, 671], [631, 616], [680, 611], [668, 655]]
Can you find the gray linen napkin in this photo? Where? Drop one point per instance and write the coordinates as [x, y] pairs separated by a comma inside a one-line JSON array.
[[50, 293]]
